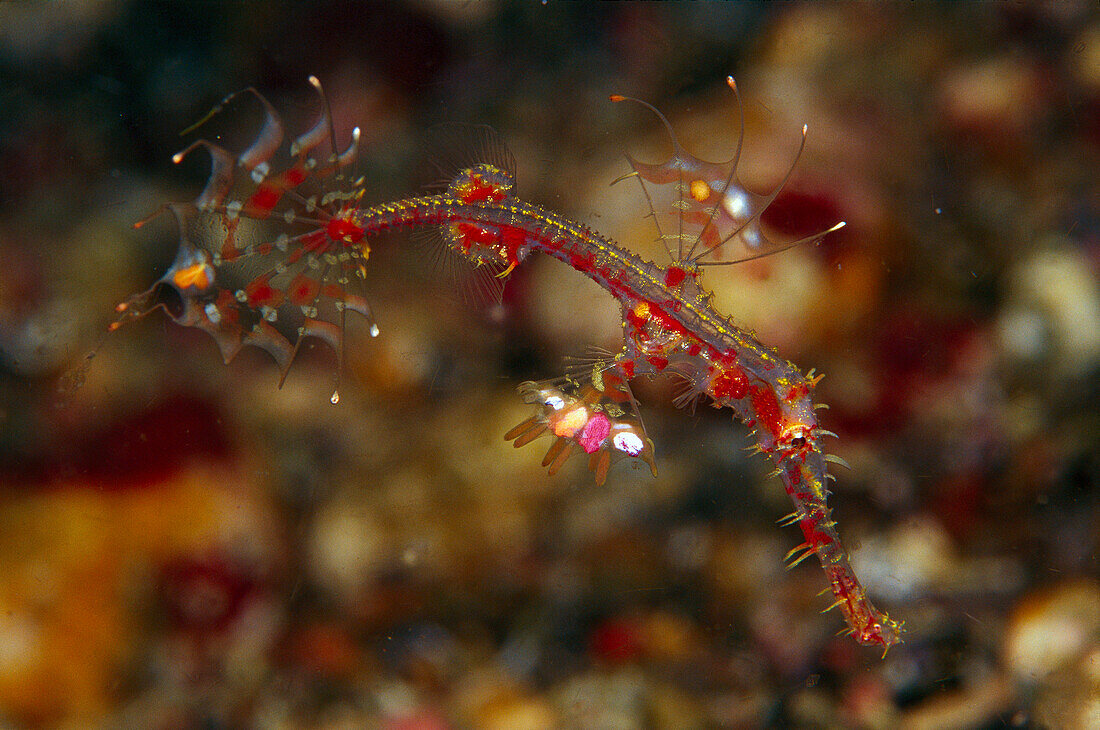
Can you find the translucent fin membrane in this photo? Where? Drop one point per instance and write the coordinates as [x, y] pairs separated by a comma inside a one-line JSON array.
[[596, 415], [704, 214], [471, 164], [271, 251]]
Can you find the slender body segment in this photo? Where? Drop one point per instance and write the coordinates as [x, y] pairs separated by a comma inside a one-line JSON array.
[[298, 266]]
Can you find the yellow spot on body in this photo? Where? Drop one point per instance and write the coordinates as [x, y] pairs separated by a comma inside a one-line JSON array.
[[641, 310], [197, 276], [571, 422], [700, 190]]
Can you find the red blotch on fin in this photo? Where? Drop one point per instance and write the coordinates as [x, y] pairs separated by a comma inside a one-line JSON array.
[[294, 177], [260, 293], [315, 241], [333, 291], [303, 290], [263, 201], [512, 239]]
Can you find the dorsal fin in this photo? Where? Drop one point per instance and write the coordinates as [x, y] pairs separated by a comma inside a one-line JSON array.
[[454, 150], [471, 163], [704, 214]]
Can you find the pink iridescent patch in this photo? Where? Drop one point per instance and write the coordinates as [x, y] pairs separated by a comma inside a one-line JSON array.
[[594, 433]]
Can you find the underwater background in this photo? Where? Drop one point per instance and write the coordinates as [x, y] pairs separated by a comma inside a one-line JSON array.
[[185, 544]]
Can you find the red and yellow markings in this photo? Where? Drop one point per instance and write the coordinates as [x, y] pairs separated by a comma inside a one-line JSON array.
[[471, 186], [767, 409], [730, 383], [471, 234], [479, 191], [667, 321], [344, 229], [584, 261], [797, 392]]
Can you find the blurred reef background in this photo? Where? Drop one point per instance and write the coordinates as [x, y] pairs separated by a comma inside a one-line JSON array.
[[185, 545]]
